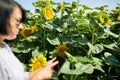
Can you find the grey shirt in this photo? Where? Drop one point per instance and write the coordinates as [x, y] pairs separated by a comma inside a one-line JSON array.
[[10, 67]]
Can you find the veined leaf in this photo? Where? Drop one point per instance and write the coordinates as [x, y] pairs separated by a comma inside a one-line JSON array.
[[79, 68], [95, 49]]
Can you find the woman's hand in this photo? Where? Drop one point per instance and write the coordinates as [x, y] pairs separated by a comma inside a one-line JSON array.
[[44, 73]]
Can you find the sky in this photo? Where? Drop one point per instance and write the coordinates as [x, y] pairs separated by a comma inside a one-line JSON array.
[[27, 4]]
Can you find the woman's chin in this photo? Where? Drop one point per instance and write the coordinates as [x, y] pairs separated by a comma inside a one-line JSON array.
[[11, 37]]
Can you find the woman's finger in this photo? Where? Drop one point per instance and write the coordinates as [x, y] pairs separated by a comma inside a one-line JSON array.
[[52, 62]]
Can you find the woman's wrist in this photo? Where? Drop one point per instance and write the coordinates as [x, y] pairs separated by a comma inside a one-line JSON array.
[[34, 75]]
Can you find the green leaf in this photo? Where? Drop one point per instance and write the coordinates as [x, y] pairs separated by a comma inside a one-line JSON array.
[[117, 71], [98, 67], [66, 69], [35, 52], [54, 41], [86, 7], [114, 23], [20, 50], [70, 57], [48, 26], [112, 46], [101, 7], [83, 40], [79, 68], [111, 33], [31, 38], [59, 29], [65, 25], [111, 59], [74, 4], [95, 49], [83, 59], [101, 35], [16, 50], [87, 68]]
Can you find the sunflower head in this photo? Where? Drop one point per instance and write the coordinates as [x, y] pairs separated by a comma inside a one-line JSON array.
[[109, 21], [60, 7], [34, 29], [61, 49], [48, 2], [48, 12], [25, 32], [40, 0], [101, 19], [118, 18], [88, 14], [37, 62]]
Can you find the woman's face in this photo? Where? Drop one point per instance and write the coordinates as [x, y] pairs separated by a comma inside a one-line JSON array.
[[14, 24]]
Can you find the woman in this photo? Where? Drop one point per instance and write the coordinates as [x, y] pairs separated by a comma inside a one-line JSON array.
[[11, 17]]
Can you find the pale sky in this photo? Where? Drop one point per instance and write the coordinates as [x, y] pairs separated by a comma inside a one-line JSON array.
[[27, 4]]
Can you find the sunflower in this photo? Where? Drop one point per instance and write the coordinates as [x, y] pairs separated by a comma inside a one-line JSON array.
[[37, 62], [34, 29], [60, 49], [48, 12], [48, 2], [109, 21], [25, 32], [60, 8], [101, 19], [118, 18], [88, 14]]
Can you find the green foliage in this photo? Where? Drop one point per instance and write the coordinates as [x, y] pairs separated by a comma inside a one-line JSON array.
[[93, 47]]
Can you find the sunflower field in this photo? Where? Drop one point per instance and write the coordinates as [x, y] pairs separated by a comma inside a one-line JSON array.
[[85, 40]]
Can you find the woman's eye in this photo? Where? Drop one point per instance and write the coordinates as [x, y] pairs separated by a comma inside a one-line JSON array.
[[18, 20]]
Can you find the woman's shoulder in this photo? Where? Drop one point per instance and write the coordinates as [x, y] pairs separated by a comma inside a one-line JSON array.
[[6, 46]]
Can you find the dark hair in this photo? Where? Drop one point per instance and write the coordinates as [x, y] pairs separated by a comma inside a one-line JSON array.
[[6, 8]]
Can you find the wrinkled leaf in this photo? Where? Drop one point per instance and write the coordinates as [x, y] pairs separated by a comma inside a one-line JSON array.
[[95, 49]]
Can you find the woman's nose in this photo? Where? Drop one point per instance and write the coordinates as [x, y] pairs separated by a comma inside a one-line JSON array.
[[20, 26]]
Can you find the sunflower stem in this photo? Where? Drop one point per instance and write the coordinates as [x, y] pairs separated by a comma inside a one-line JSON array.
[[44, 39]]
